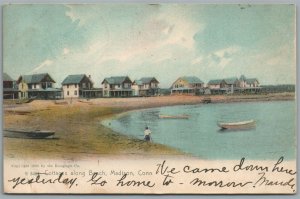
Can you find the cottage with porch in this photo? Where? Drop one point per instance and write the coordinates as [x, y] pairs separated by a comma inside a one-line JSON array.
[[10, 90], [188, 85], [222, 86], [79, 86], [146, 86], [117, 86], [39, 86], [249, 84], [215, 86], [230, 84], [233, 85]]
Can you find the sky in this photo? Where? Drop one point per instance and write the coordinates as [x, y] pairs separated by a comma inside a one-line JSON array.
[[161, 40]]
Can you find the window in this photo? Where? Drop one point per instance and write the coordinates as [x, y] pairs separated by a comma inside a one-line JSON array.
[[67, 92], [67, 85], [75, 92], [83, 85], [75, 85]]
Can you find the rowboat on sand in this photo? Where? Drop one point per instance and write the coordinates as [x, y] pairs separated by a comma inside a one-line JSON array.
[[27, 134], [237, 125], [174, 116]]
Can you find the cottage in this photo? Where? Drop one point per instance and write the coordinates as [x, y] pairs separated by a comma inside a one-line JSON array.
[[215, 83], [230, 84], [249, 84], [79, 86], [215, 86], [189, 85], [222, 86], [117, 86], [10, 90], [146, 86], [40, 86]]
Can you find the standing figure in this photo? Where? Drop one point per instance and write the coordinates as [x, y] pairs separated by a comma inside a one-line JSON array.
[[147, 136]]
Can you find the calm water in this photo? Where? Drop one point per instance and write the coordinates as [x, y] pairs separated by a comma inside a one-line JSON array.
[[274, 135]]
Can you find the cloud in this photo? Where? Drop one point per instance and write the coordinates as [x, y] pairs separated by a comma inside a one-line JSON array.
[[223, 57], [159, 38], [74, 16], [45, 63], [139, 40], [197, 60]]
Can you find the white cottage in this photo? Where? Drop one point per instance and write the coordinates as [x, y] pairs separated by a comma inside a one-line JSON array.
[[146, 86], [79, 86], [117, 86]]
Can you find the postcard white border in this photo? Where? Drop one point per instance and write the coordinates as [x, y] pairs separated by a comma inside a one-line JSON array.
[[297, 3]]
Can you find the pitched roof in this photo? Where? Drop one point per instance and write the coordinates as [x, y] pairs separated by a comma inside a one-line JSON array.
[[192, 79], [73, 79], [231, 80], [116, 79], [6, 77], [243, 77], [147, 80], [215, 81], [251, 80], [36, 78]]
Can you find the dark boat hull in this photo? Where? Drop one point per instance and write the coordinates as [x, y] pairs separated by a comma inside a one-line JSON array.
[[27, 134]]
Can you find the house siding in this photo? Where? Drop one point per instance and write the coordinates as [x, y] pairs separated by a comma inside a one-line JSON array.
[[71, 91]]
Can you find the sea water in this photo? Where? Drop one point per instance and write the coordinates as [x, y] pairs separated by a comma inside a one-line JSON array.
[[274, 135]]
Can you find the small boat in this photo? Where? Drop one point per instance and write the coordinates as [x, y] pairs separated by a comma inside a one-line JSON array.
[[27, 134], [237, 125], [174, 116]]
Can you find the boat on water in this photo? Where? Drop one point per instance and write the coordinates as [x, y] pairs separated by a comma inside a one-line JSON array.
[[27, 134], [174, 116], [237, 125]]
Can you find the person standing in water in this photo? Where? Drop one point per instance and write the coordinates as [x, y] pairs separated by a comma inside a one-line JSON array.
[[147, 134]]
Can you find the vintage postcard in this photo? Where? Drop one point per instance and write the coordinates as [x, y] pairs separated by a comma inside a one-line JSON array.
[[149, 99]]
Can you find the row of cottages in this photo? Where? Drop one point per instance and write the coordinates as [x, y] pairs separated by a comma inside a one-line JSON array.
[[122, 86], [41, 86], [234, 85], [188, 85]]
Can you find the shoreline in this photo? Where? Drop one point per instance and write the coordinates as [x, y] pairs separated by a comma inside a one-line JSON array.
[[73, 121]]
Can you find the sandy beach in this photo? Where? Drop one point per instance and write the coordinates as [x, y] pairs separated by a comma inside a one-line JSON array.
[[78, 128]]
